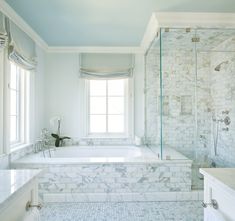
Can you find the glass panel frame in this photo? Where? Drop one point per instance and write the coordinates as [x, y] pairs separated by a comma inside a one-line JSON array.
[[177, 85], [152, 85]]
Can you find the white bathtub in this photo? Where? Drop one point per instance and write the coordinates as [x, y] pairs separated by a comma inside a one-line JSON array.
[[99, 152]]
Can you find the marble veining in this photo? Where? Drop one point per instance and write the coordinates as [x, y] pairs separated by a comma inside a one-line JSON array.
[[124, 179]]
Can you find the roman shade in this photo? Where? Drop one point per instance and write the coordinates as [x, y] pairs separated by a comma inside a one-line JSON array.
[[106, 66], [3, 33], [21, 49]]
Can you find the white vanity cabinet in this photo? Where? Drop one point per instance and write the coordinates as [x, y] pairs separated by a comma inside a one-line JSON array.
[[219, 187], [17, 188]]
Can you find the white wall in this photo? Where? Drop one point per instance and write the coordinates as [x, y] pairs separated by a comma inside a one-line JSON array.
[[58, 90], [39, 93], [4, 161], [139, 95], [64, 93]]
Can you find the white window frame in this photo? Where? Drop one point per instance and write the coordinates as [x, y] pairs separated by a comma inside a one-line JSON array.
[[2, 151], [128, 115], [18, 105], [23, 107]]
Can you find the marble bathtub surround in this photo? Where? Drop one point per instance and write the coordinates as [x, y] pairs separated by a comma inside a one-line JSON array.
[[65, 180], [17, 154], [6, 159]]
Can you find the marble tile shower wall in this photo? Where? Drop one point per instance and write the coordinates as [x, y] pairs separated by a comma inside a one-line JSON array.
[[152, 93], [113, 182], [179, 122], [179, 99], [203, 139], [223, 99], [204, 110], [216, 94]]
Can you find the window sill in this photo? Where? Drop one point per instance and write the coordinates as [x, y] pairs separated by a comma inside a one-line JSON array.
[[2, 155], [18, 147], [98, 136]]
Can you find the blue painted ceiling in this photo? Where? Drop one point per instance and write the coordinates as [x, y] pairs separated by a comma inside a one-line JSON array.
[[102, 22]]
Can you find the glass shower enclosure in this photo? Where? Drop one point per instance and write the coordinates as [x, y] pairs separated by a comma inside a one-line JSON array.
[[190, 96]]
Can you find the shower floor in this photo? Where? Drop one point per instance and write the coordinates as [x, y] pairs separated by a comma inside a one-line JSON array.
[[141, 211]]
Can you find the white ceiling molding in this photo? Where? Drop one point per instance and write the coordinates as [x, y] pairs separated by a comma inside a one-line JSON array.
[[193, 19], [150, 33], [117, 50], [9, 12], [183, 20]]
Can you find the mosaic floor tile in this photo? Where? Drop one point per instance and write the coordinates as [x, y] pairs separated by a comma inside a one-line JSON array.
[[141, 211]]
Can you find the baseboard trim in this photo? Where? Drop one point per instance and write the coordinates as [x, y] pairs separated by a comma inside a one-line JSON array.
[[123, 197]]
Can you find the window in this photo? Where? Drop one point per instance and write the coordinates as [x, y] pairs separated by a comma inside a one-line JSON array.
[[18, 104], [1, 100], [107, 107]]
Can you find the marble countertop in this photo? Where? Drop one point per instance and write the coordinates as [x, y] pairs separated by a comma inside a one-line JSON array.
[[223, 176], [11, 181]]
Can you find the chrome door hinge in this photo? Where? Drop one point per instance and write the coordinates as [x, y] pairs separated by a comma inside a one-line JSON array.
[[188, 30], [195, 39], [167, 29]]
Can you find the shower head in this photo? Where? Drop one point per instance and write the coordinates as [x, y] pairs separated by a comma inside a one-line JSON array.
[[218, 67]]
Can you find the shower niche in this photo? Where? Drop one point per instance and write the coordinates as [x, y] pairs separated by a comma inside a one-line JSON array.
[[190, 96]]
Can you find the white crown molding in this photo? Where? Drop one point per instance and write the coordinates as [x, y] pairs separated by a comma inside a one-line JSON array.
[[20, 22], [150, 33], [195, 19], [183, 20], [121, 50]]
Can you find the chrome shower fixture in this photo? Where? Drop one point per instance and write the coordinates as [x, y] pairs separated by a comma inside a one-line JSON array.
[[218, 67], [227, 120], [225, 112]]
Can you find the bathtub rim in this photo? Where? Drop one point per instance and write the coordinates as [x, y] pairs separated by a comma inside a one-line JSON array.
[[32, 158]]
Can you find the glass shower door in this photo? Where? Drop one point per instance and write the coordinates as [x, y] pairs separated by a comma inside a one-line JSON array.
[[216, 97], [152, 93], [178, 94]]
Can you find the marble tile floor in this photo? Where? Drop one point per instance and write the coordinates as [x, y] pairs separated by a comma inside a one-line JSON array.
[[128, 211]]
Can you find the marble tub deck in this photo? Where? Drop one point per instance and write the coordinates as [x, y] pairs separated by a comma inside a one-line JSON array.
[[131, 211], [135, 179]]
